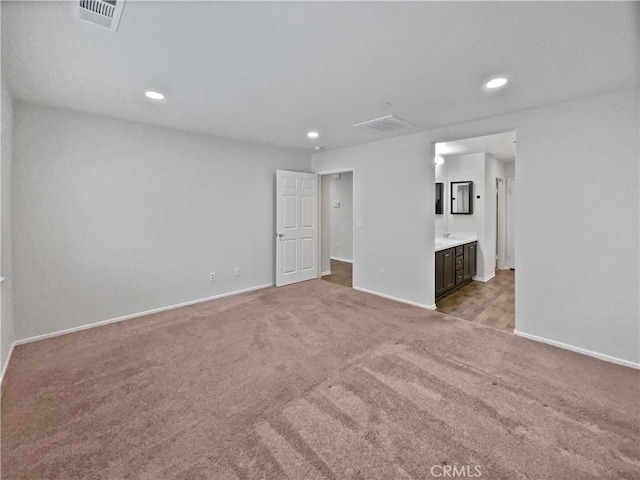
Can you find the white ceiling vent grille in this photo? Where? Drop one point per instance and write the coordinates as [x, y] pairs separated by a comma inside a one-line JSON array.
[[105, 13], [385, 124]]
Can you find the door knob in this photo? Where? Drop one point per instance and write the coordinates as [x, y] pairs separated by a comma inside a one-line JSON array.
[[281, 235]]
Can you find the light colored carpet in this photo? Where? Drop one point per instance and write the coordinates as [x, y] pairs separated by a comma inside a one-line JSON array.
[[313, 381]]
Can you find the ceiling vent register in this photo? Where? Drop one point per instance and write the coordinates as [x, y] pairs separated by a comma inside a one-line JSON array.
[[385, 124], [105, 13]]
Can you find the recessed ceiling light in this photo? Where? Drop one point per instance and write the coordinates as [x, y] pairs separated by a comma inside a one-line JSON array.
[[154, 95], [313, 134], [497, 82]]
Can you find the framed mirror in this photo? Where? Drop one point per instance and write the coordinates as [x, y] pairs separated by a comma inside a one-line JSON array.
[[462, 198], [439, 198]]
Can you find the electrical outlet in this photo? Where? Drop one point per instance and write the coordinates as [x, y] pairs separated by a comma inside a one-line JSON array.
[[212, 276], [381, 273], [236, 272]]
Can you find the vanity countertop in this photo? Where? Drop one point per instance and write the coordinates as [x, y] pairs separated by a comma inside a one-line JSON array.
[[454, 240]]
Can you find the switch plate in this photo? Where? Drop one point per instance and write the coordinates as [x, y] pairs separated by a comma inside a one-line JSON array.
[[336, 204], [236, 272]]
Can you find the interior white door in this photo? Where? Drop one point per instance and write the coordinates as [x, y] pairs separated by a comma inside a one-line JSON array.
[[296, 227]]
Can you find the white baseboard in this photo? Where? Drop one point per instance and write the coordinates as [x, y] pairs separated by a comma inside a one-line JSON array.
[[485, 279], [397, 299], [341, 259], [136, 315], [6, 363], [584, 351], [328, 272]]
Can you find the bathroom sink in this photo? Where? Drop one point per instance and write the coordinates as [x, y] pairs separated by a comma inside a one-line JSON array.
[[451, 241]]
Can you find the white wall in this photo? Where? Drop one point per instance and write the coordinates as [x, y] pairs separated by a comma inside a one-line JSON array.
[[112, 218], [462, 168], [7, 331], [394, 231], [577, 271], [509, 167], [342, 217], [442, 220]]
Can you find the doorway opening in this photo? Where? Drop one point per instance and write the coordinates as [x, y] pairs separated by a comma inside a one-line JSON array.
[[474, 228], [336, 240]]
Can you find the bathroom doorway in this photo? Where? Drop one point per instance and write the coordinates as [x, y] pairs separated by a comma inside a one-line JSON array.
[[480, 238], [336, 242]]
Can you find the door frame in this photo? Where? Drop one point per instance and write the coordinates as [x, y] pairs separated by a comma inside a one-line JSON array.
[[511, 227], [353, 225], [501, 223]]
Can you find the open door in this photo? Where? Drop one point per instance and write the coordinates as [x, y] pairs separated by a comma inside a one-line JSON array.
[[296, 227]]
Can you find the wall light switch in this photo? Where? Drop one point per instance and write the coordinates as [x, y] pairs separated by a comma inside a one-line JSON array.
[[336, 204]]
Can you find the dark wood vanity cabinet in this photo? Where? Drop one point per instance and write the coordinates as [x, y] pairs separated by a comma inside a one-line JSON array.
[[455, 267], [470, 254], [445, 271]]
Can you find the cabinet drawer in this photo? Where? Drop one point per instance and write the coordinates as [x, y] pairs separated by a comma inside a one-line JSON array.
[[459, 250], [459, 262], [459, 277]]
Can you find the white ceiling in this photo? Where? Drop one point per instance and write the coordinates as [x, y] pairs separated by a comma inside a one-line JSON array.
[[501, 146], [269, 71]]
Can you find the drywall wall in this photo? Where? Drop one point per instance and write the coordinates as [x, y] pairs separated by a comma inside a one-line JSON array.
[[481, 169], [325, 230], [7, 331], [579, 286], [394, 235], [509, 167], [464, 168], [113, 218], [342, 216], [442, 220]]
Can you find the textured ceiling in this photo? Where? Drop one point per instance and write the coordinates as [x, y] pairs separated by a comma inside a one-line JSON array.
[[268, 72]]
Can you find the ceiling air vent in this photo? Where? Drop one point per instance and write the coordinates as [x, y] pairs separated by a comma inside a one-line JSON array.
[[385, 124], [105, 13]]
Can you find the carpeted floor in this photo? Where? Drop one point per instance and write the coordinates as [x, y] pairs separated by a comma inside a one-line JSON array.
[[313, 381]]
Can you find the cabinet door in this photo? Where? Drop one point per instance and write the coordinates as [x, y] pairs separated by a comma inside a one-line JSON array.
[[445, 271], [449, 269], [439, 273], [470, 260]]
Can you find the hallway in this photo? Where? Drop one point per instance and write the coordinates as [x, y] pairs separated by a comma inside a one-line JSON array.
[[341, 273], [489, 303]]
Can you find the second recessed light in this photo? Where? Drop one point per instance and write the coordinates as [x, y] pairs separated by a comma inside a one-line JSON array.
[[497, 82], [154, 95], [313, 134]]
